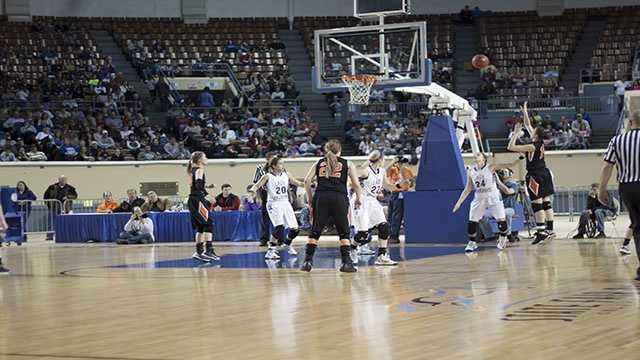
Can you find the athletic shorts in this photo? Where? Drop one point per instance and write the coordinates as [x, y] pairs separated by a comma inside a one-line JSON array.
[[201, 220], [369, 215], [328, 206], [491, 206], [539, 184], [281, 213]]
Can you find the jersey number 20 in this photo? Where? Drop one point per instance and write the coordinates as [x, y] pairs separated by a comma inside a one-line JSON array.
[[281, 190]]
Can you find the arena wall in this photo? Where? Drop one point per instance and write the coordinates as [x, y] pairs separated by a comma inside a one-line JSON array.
[[275, 8], [570, 168]]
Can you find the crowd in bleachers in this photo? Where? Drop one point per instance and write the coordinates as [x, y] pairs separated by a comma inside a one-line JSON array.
[[562, 133]]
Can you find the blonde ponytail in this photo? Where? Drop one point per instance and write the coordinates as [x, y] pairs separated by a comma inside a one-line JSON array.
[[332, 149]]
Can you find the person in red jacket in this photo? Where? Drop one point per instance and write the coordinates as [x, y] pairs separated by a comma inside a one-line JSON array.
[[226, 201]]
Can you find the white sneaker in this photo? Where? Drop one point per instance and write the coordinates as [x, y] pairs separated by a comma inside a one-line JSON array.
[[624, 250], [502, 242], [471, 246], [291, 250], [353, 254], [365, 250], [272, 254], [385, 260]]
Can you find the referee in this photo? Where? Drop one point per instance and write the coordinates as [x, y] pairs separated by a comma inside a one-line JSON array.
[[266, 222], [624, 152]]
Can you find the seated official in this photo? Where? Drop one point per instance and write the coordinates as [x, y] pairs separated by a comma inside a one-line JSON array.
[[596, 212], [133, 200], [227, 201], [138, 230], [250, 202], [108, 205], [155, 203]]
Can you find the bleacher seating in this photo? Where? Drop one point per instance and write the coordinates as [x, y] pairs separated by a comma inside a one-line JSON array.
[[614, 54]]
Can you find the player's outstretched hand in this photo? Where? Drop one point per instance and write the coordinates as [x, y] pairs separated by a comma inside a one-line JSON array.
[[357, 203], [455, 208]]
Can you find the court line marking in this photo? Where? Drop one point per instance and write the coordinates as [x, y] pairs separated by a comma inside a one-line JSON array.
[[80, 357]]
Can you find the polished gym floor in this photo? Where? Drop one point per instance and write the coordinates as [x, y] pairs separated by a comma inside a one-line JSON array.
[[568, 299]]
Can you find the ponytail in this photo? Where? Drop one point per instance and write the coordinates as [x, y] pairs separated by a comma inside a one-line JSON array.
[[195, 158], [189, 167], [332, 149]]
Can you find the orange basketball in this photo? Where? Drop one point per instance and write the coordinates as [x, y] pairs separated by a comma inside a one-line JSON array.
[[480, 61]]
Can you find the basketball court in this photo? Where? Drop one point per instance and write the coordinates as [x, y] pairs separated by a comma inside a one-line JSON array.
[[567, 299]]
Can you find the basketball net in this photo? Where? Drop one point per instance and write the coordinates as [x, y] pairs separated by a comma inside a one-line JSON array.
[[359, 87]]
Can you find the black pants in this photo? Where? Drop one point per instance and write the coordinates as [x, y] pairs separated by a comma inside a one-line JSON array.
[[328, 205], [266, 221], [630, 196]]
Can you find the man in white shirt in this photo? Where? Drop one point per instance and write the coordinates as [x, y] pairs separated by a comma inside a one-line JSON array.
[[227, 136], [44, 135], [138, 230], [620, 87], [105, 141], [308, 148]]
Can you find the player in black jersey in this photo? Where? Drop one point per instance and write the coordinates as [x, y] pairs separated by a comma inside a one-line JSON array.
[[199, 208], [539, 181], [331, 202]]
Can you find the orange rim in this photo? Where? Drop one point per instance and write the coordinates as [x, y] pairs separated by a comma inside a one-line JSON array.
[[364, 78]]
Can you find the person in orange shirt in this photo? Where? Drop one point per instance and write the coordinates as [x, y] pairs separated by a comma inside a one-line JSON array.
[[108, 205], [403, 178]]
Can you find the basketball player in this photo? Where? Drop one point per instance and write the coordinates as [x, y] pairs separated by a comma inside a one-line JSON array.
[[3, 229], [481, 177], [280, 211], [199, 208], [370, 215], [330, 202], [539, 181]]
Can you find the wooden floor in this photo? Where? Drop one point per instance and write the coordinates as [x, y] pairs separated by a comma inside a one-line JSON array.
[[565, 300]]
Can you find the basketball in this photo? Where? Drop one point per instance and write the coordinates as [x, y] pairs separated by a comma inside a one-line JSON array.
[[480, 61]]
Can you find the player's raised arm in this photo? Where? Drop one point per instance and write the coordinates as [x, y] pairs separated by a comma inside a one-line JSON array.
[[308, 180], [263, 180], [527, 119], [464, 194], [517, 132]]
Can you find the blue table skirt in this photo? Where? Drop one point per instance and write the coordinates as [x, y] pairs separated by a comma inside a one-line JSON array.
[[168, 226]]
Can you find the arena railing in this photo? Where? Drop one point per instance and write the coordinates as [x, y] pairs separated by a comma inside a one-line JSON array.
[[39, 216]]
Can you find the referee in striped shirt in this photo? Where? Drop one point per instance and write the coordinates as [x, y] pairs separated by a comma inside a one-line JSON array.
[[624, 152], [266, 221]]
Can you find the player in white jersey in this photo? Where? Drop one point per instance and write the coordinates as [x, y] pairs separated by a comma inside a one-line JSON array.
[[370, 215], [281, 213], [481, 177]]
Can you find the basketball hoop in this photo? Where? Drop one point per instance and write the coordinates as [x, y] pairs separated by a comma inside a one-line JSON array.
[[359, 87]]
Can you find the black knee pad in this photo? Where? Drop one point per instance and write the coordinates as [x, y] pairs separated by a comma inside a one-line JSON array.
[[383, 231], [278, 233], [361, 237], [546, 205], [472, 228], [502, 226], [315, 234], [537, 207], [293, 233]]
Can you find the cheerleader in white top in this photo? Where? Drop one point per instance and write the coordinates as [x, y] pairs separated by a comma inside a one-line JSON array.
[[280, 211], [481, 178], [370, 215]]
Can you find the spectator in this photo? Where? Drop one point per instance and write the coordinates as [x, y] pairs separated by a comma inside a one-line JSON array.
[[105, 141], [308, 148], [155, 203], [132, 201], [183, 153], [35, 155], [138, 230], [595, 211], [44, 135], [578, 123], [171, 149], [620, 88], [7, 155], [250, 201], [366, 146], [23, 198], [226, 201], [585, 115], [63, 192], [108, 205], [147, 155], [205, 99]]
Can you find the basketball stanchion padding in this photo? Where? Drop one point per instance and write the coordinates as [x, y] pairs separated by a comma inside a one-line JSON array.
[[441, 179]]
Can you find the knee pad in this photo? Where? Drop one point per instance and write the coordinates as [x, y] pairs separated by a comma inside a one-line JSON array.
[[293, 233], [361, 237], [472, 228], [278, 233], [546, 205], [384, 230], [502, 226], [315, 234], [344, 235], [537, 207]]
